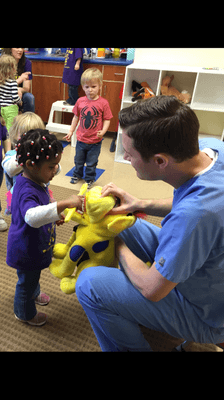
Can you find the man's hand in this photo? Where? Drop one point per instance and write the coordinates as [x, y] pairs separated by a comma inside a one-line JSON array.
[[128, 203]]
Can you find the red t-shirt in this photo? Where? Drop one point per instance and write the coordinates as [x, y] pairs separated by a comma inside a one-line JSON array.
[[91, 114]]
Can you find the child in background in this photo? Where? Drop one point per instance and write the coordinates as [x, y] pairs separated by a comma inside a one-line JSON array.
[[4, 143], [73, 70], [9, 97], [21, 124], [34, 213], [94, 114]]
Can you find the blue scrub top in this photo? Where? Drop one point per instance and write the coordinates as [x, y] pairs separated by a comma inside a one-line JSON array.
[[191, 241]]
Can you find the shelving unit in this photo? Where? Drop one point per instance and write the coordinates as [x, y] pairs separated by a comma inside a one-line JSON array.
[[205, 86]]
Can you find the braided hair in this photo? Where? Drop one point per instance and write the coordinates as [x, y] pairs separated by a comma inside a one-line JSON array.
[[37, 145]]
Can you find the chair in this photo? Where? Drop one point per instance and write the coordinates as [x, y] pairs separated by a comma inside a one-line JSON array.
[[58, 107], [186, 343]]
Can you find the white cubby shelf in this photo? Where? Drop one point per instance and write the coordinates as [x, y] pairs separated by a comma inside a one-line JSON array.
[[206, 88]]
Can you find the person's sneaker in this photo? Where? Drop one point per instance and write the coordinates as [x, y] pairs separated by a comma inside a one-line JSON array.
[[42, 300], [74, 180], [3, 224], [90, 184], [39, 319]]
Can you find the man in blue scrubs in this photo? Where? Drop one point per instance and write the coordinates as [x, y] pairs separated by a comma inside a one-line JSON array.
[[182, 293]]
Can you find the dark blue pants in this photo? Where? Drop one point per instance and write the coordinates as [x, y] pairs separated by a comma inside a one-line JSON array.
[[73, 94], [89, 154], [27, 289]]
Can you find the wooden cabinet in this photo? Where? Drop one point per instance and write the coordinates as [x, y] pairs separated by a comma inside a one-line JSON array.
[[111, 91], [47, 87], [113, 80]]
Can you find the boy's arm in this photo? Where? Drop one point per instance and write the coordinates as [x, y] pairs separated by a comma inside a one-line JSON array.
[[106, 124], [72, 128]]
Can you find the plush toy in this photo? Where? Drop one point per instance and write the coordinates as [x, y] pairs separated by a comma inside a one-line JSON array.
[[92, 242], [141, 91], [168, 90]]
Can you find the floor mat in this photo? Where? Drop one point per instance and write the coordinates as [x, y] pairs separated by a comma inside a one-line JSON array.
[[99, 172], [64, 143]]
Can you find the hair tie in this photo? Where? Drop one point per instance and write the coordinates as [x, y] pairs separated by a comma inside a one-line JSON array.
[[44, 138], [47, 157], [42, 150], [32, 162], [56, 155], [37, 157], [28, 154], [32, 142], [49, 146]]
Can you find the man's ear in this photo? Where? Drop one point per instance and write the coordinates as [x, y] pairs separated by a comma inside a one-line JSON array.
[[161, 160]]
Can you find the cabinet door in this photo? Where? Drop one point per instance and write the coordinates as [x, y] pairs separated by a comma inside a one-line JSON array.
[[46, 90], [111, 91]]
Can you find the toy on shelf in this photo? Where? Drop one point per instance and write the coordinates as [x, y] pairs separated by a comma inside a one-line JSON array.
[[168, 90], [92, 242], [141, 91]]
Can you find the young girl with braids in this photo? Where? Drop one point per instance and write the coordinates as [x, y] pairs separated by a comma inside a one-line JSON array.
[[32, 232]]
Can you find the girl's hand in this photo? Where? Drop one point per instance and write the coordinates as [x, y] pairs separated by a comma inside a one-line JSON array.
[[72, 202], [61, 221]]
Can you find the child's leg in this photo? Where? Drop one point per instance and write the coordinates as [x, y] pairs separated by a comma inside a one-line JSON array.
[[27, 289], [92, 161], [73, 94], [9, 113], [80, 158]]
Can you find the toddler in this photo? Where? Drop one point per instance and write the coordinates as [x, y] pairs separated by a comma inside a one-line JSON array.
[[94, 114], [9, 97], [4, 143], [22, 123], [73, 70], [34, 213]]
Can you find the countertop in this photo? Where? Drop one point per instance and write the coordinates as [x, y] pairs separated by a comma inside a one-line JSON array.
[[43, 56]]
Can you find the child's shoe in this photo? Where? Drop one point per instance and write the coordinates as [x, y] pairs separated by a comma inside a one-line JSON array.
[[74, 180], [42, 300], [39, 319], [90, 184], [3, 224]]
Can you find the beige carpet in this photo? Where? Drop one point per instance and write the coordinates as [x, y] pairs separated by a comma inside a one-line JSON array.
[[68, 328]]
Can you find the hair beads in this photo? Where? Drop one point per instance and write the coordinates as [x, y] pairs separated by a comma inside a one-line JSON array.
[[37, 146]]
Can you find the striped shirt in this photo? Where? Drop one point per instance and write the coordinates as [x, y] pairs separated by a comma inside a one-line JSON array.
[[9, 93]]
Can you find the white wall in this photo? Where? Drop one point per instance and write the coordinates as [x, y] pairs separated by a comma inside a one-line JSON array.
[[199, 57]]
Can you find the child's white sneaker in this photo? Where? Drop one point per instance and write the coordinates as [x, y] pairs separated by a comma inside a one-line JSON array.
[[3, 224]]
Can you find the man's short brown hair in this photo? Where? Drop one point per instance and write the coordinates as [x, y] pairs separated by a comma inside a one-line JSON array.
[[162, 124]]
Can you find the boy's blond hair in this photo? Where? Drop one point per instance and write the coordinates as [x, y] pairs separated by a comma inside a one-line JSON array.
[[92, 74], [23, 123], [8, 68]]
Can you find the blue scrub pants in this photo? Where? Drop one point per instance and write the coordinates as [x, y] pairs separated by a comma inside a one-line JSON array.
[[115, 308]]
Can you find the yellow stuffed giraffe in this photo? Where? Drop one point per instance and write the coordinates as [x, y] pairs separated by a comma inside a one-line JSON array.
[[92, 242]]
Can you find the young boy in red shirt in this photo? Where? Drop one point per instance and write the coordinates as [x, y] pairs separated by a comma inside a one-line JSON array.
[[94, 114]]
